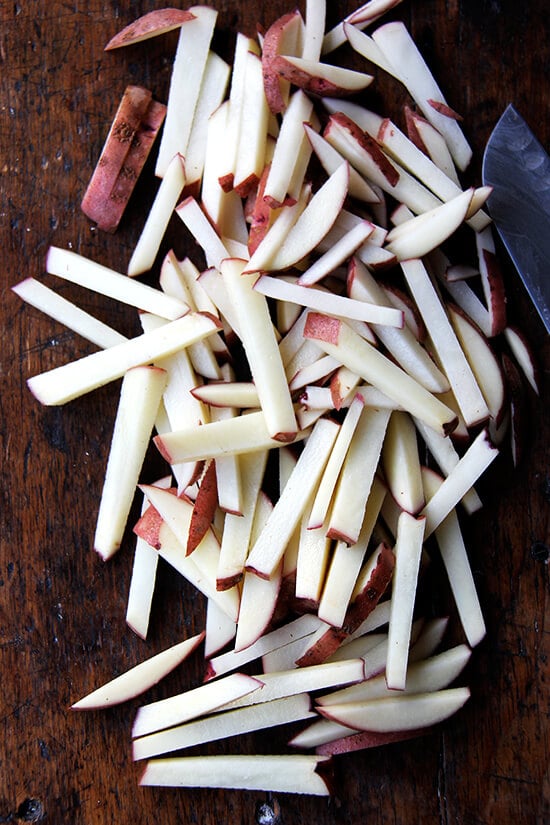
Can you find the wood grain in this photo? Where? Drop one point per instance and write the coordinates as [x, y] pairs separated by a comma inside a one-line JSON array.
[[62, 627]]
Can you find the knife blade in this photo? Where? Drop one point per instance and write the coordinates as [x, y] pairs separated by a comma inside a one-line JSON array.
[[517, 167]]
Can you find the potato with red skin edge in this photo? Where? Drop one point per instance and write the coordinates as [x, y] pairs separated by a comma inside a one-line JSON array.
[[357, 612], [367, 739], [321, 79], [411, 118], [444, 109], [367, 143], [132, 167], [204, 507], [274, 42], [157, 22], [130, 113]]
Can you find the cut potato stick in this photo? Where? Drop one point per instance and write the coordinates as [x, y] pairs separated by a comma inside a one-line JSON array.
[[149, 25], [455, 364], [138, 153], [284, 35], [279, 774], [367, 739], [339, 340], [362, 17], [220, 629], [462, 477], [258, 596], [323, 301], [444, 453], [96, 203], [228, 158], [139, 678], [484, 363], [241, 394], [455, 558], [302, 680], [331, 159], [91, 275], [204, 233], [218, 438], [291, 135], [235, 542], [327, 483], [211, 95], [185, 83], [314, 550], [313, 223], [182, 707], [223, 725], [204, 507], [357, 475], [164, 204], [140, 395], [314, 29], [199, 568], [270, 545], [400, 342], [523, 355], [62, 384], [346, 563], [401, 463], [142, 582], [337, 255], [401, 52], [41, 297], [304, 625], [430, 141], [262, 351], [399, 713], [319, 78], [252, 144], [173, 282], [419, 235], [408, 549]]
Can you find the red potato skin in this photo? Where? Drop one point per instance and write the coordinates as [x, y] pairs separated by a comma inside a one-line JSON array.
[[367, 739], [375, 588], [357, 611], [313, 84], [204, 508], [148, 527], [271, 48], [321, 327], [135, 161], [498, 292], [149, 25], [129, 115], [260, 215], [126, 149], [444, 110], [365, 142], [411, 119]]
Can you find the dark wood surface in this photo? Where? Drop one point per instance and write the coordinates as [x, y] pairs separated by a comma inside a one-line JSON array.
[[62, 610]]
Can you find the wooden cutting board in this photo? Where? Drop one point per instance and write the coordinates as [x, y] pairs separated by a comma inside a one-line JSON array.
[[62, 610]]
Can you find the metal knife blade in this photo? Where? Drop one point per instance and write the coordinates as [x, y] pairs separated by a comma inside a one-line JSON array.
[[517, 166]]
